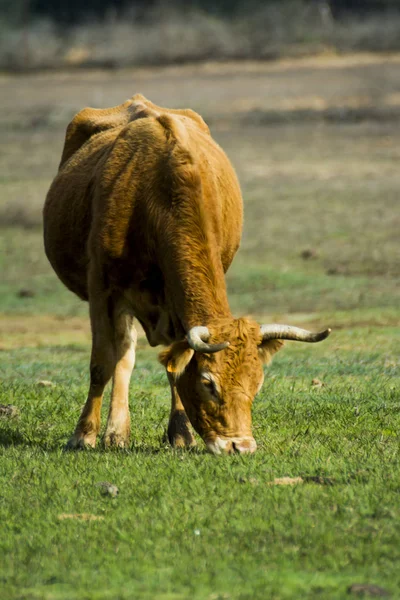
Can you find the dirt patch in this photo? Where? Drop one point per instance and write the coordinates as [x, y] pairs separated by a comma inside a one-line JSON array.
[[46, 330], [33, 331], [286, 481], [80, 517]]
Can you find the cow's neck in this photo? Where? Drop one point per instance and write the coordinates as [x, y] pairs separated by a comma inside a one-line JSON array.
[[196, 283]]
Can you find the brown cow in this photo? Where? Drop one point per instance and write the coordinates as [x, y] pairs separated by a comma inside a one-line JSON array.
[[142, 220]]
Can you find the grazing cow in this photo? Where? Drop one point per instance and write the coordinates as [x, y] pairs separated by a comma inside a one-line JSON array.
[[143, 220]]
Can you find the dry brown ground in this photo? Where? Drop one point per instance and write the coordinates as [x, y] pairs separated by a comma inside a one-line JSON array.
[[214, 89]]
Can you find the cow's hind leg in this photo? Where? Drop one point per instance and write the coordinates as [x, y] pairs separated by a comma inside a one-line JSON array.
[[102, 364], [118, 423], [179, 429]]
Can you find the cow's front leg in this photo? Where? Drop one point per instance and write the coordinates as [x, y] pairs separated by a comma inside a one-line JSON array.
[[102, 364], [118, 423], [179, 428]]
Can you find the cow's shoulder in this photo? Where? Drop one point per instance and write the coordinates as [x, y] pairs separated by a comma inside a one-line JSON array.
[[182, 114], [91, 121], [192, 115]]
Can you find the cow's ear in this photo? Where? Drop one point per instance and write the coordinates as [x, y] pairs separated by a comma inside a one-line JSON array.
[[267, 349], [176, 358]]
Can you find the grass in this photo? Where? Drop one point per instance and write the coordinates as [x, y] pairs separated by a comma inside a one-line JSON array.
[[188, 525], [320, 248]]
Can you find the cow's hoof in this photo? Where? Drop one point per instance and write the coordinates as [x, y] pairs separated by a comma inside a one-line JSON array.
[[79, 442], [116, 440], [179, 434], [178, 441]]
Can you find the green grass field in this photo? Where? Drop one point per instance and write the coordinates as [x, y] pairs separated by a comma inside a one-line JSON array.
[[320, 248]]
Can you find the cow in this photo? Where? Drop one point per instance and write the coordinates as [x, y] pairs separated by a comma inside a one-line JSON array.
[[142, 221]]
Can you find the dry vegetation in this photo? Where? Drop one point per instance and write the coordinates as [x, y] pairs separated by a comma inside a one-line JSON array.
[[169, 35]]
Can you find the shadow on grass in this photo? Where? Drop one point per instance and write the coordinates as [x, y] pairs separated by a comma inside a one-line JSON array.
[[10, 437], [136, 450]]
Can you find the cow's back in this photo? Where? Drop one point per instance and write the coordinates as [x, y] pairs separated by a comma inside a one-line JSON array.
[[67, 213], [98, 205]]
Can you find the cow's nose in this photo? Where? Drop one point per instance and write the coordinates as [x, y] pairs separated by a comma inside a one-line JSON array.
[[231, 445], [246, 445]]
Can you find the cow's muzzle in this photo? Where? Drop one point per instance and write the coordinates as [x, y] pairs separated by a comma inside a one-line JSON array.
[[232, 445]]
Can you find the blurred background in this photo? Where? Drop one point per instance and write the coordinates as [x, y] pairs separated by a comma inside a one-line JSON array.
[[304, 96], [116, 33]]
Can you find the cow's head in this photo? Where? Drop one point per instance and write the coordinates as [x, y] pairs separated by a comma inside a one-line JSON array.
[[218, 370]]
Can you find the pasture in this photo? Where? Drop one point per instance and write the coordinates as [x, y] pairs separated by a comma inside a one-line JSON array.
[[316, 144]]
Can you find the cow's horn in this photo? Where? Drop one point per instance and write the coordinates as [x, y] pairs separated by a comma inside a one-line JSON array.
[[197, 338], [287, 332]]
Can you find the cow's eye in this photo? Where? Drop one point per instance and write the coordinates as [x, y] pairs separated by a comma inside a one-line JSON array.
[[210, 386]]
